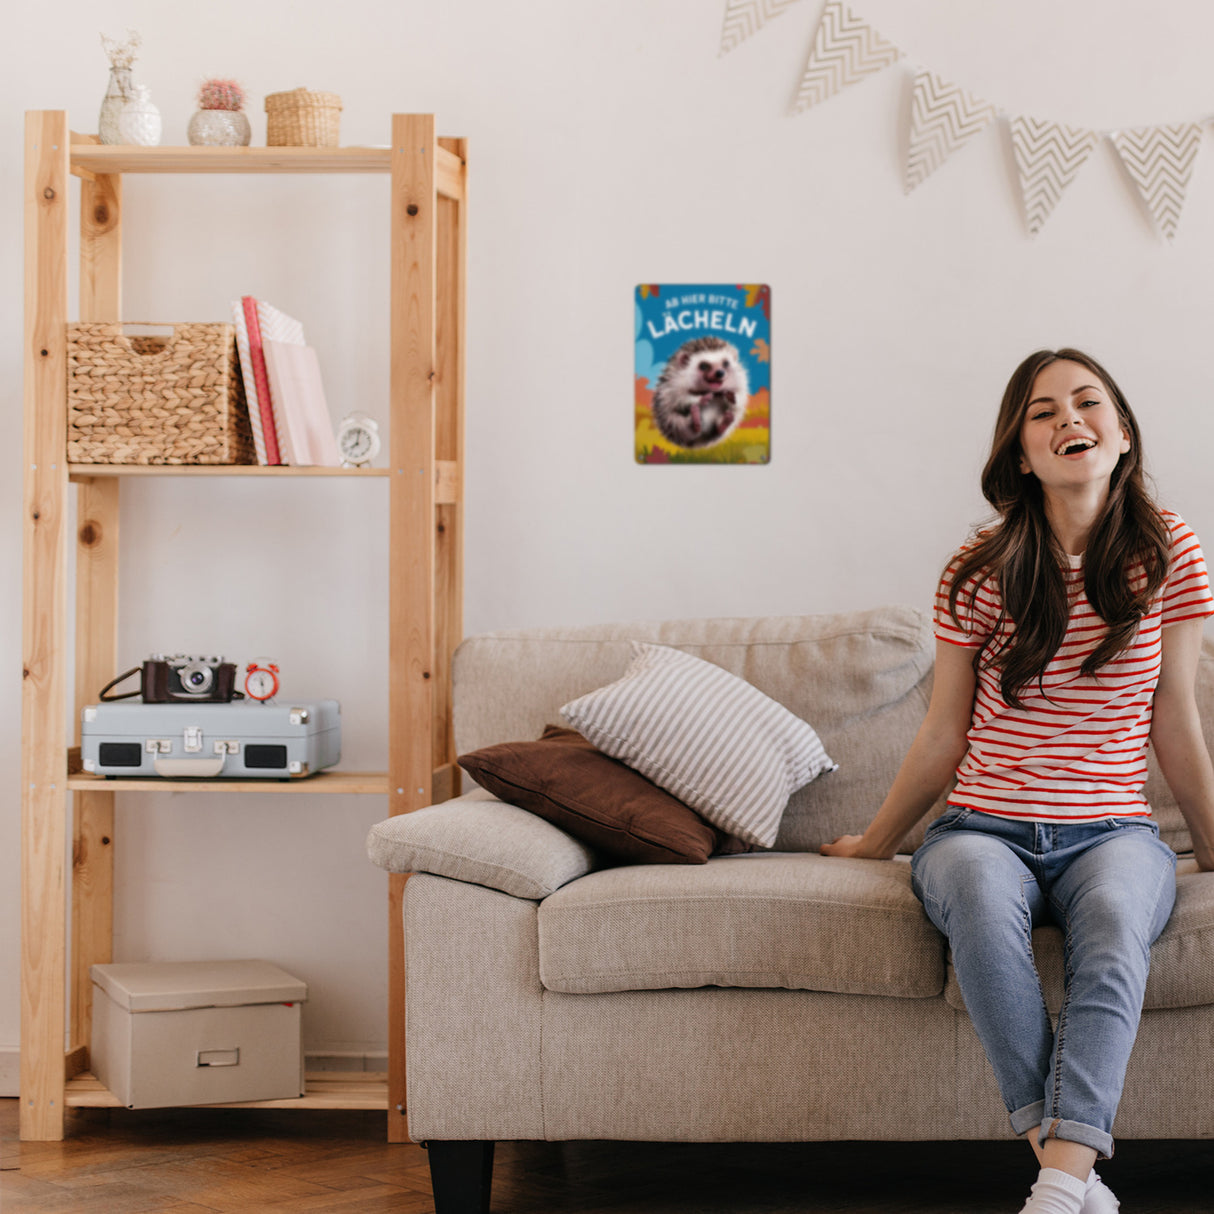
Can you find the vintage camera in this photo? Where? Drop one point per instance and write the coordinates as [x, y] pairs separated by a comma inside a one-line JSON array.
[[182, 677]]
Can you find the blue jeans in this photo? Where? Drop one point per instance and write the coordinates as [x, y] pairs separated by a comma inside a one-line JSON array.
[[986, 882]]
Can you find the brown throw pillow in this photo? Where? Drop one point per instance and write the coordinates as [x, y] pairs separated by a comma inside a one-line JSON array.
[[599, 800]]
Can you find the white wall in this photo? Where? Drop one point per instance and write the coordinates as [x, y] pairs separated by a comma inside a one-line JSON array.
[[611, 145]]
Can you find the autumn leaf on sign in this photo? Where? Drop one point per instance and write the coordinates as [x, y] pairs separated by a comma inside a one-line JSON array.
[[758, 293]]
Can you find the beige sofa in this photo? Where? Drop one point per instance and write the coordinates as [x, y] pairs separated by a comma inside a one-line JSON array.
[[766, 996]]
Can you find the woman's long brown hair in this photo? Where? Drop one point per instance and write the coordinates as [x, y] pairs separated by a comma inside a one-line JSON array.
[[1025, 560]]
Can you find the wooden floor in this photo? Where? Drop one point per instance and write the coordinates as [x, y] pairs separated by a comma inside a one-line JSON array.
[[196, 1161]]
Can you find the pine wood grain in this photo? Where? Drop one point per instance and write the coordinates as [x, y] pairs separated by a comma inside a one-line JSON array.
[[91, 159], [44, 660], [411, 562], [96, 650]]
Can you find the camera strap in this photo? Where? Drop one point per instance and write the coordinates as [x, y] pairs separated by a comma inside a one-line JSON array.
[[126, 695]]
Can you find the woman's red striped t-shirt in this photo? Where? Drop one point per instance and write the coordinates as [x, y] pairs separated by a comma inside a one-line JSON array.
[[1076, 752]]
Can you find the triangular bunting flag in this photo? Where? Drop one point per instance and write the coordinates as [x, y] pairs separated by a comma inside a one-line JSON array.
[[1160, 159], [1048, 156], [746, 17], [943, 118], [846, 49]]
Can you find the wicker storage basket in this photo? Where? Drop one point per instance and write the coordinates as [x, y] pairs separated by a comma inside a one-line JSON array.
[[302, 119], [156, 400]]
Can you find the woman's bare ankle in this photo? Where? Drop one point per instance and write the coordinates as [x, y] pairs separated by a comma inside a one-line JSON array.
[[1066, 1156]]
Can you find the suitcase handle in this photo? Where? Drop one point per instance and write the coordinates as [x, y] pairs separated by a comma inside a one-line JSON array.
[[189, 767]]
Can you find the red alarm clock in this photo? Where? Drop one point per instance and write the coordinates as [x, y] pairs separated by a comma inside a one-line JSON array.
[[261, 680]]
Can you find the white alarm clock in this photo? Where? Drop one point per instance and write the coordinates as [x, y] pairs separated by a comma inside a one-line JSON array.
[[357, 440], [261, 681]]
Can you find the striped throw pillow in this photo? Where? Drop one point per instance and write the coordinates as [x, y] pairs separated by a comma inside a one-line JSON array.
[[707, 737]]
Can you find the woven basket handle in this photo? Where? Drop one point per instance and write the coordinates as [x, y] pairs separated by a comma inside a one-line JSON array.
[[168, 338]]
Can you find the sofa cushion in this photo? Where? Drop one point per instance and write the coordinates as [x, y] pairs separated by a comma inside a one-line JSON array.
[[598, 799], [798, 922], [1182, 959], [717, 743], [478, 839]]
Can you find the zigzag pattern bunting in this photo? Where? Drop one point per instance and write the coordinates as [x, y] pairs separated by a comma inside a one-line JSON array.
[[943, 118], [846, 49], [746, 17], [1048, 156], [1160, 160]]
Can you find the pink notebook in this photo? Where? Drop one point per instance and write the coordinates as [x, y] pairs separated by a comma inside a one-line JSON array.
[[305, 429]]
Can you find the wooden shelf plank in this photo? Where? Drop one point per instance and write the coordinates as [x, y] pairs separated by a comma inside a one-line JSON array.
[[446, 473], [332, 782], [124, 158], [324, 1090], [95, 158], [79, 472]]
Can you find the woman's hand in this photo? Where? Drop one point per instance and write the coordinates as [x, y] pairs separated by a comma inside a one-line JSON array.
[[848, 846]]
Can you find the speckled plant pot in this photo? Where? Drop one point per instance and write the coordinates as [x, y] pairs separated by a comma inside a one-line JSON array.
[[219, 128]]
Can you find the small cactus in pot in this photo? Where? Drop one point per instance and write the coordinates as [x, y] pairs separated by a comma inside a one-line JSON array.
[[220, 120]]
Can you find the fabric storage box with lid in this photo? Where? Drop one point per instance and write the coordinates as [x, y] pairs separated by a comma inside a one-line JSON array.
[[156, 399], [197, 1032]]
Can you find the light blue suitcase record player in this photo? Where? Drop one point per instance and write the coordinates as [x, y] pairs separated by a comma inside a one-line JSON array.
[[240, 739]]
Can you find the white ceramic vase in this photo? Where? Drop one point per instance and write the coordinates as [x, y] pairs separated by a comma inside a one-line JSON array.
[[139, 122], [219, 128]]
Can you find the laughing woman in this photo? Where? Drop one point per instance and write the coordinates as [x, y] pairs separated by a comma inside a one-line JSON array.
[[1068, 635]]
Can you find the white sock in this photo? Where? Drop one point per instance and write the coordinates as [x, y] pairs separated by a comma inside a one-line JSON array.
[[1056, 1192], [1098, 1197]]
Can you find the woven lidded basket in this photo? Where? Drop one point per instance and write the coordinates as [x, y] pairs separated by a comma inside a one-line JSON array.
[[156, 400], [302, 119]]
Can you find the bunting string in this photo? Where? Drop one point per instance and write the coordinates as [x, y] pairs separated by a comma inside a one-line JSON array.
[[945, 117]]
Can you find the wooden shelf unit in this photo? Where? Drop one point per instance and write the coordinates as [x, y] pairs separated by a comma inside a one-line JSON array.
[[426, 229]]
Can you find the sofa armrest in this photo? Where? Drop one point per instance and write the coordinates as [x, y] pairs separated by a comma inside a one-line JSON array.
[[483, 841]]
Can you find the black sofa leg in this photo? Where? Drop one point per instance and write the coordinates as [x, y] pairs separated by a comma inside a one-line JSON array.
[[461, 1174]]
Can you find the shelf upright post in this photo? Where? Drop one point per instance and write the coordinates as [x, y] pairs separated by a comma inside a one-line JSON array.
[[452, 245], [96, 623], [44, 614], [412, 278]]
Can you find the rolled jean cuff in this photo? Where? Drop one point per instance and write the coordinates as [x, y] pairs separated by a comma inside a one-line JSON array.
[[1075, 1131], [1029, 1117]]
